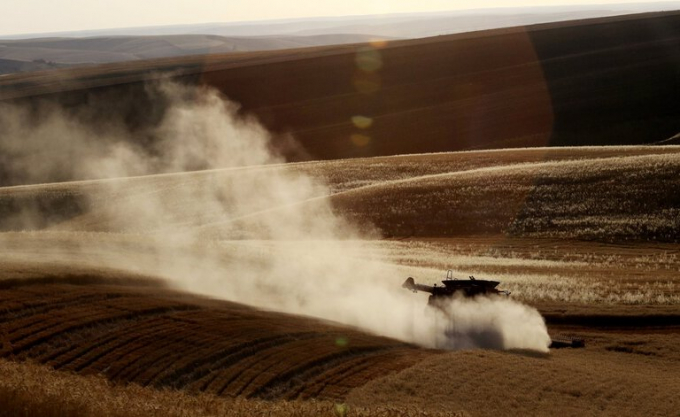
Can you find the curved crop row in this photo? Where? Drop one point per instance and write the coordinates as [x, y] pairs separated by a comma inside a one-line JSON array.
[[166, 341]]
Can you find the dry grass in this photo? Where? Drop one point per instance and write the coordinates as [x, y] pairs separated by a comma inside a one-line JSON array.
[[538, 270], [33, 390], [609, 378], [598, 193], [535, 270], [596, 198], [548, 195]]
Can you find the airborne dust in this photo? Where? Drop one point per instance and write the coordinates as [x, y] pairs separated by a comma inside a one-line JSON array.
[[263, 236]]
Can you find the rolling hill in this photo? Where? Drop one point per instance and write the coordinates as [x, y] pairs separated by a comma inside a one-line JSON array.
[[598, 82], [96, 291], [154, 337], [131, 44]]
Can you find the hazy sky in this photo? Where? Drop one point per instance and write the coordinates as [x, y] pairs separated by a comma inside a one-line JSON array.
[[36, 16]]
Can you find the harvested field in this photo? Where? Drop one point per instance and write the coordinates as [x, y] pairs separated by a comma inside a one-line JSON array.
[[624, 378], [159, 338], [28, 390], [568, 214], [77, 308], [162, 262], [601, 193]]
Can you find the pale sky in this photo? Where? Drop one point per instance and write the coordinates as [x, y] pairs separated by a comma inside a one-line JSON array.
[[38, 16]]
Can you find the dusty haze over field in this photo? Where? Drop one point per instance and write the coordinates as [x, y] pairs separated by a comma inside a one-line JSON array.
[[292, 260]]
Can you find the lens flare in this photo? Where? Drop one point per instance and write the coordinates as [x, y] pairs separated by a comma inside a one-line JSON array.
[[368, 59], [360, 140], [378, 43], [367, 83], [362, 122]]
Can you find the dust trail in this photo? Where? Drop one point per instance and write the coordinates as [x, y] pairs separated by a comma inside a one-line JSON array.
[[498, 323], [199, 231]]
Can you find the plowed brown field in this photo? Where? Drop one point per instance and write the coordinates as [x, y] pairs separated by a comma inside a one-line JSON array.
[[155, 337]]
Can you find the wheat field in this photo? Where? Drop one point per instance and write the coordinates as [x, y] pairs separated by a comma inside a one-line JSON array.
[[95, 275]]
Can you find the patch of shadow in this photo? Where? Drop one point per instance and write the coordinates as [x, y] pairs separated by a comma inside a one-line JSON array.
[[675, 140], [482, 338], [629, 349], [529, 353], [38, 211], [85, 279]]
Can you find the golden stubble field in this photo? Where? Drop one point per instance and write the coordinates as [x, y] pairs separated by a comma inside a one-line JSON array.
[[588, 236]]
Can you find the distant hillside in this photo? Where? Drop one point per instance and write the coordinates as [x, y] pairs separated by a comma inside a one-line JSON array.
[[131, 44], [462, 22], [99, 50], [401, 25], [8, 66], [591, 82]]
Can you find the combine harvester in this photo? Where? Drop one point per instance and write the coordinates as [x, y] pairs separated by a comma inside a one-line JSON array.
[[454, 287], [440, 296]]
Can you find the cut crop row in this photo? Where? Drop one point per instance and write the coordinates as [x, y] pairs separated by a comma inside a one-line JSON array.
[[18, 330], [292, 380], [140, 356], [208, 346], [118, 362], [77, 358], [133, 304], [187, 367], [235, 366], [282, 361], [235, 379], [119, 357], [327, 381], [163, 341], [90, 337], [30, 305], [176, 346], [377, 366], [220, 366], [87, 318], [28, 325]]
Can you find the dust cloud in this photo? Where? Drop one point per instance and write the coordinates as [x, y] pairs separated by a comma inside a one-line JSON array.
[[247, 229], [491, 323], [49, 143]]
